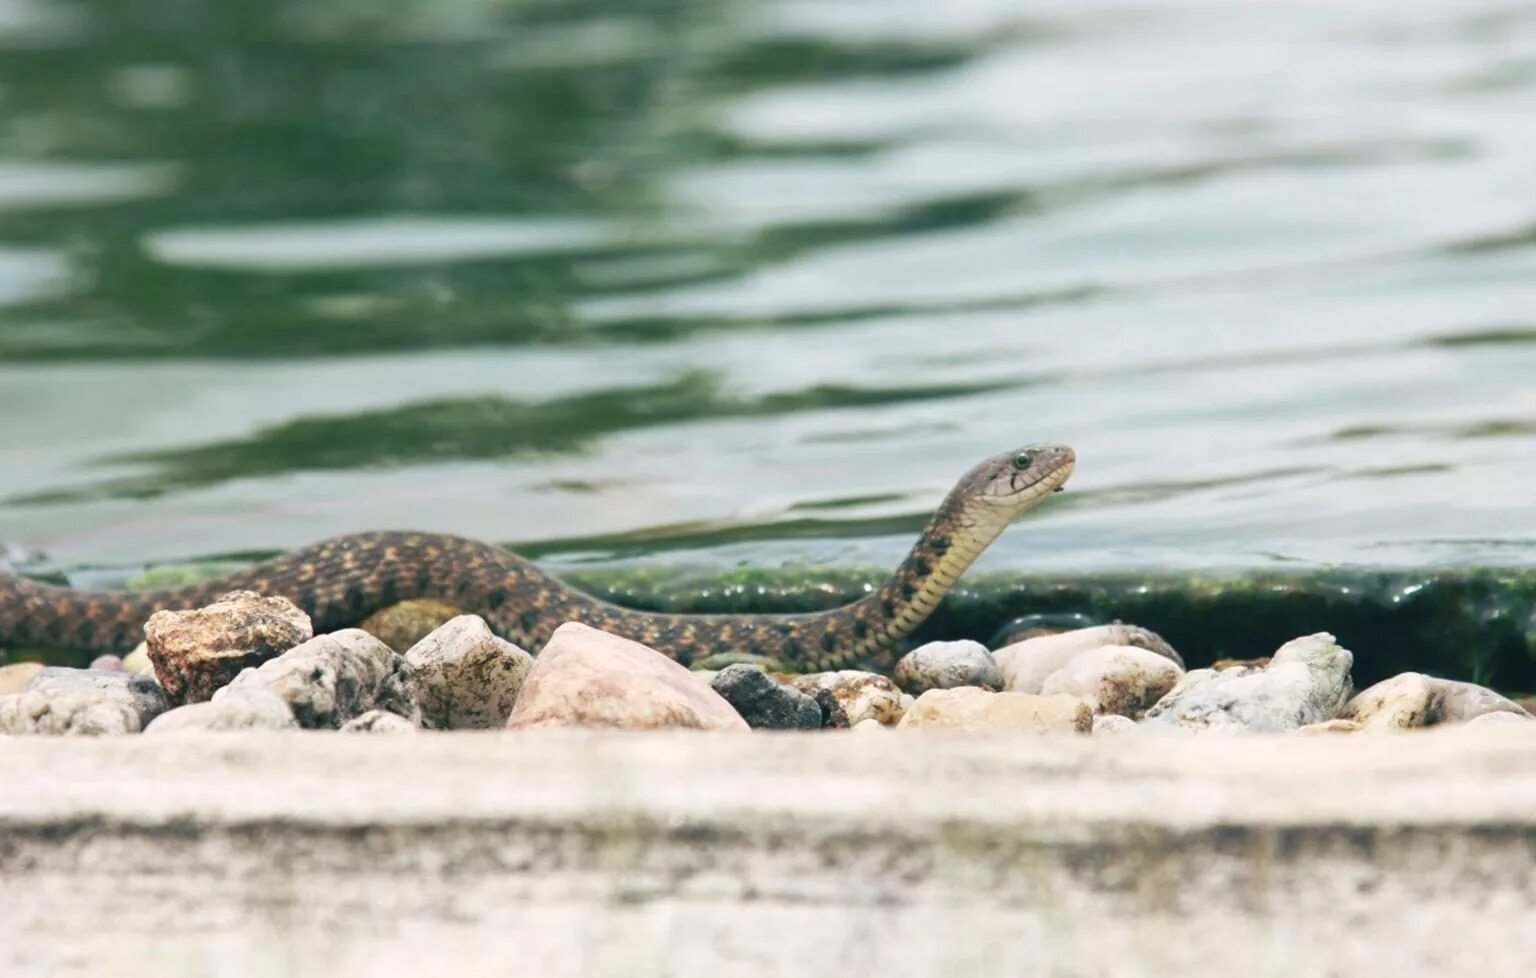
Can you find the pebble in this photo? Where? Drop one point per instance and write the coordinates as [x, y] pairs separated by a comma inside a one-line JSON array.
[[14, 677], [1119, 679], [849, 696], [403, 625], [82, 702], [764, 702], [332, 678], [464, 677], [867, 724], [587, 678], [1112, 725], [1411, 699], [198, 651], [231, 709], [137, 661], [1307, 681], [379, 722], [969, 708], [1026, 664], [107, 663], [945, 665]]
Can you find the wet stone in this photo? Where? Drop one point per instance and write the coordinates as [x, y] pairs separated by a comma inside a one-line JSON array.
[[945, 665], [199, 651], [763, 701]]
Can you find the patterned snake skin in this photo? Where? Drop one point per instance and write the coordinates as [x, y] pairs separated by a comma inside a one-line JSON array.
[[342, 581]]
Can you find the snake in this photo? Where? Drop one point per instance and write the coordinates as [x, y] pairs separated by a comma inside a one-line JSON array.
[[341, 581]]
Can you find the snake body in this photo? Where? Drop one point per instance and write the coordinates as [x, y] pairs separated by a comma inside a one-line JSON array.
[[341, 581]]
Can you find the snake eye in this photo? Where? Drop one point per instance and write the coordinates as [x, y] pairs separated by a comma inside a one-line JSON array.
[[1022, 461]]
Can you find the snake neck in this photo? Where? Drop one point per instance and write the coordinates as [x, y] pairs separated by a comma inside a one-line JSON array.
[[951, 542]]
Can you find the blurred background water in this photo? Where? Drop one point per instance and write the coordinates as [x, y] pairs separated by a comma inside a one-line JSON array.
[[754, 281]]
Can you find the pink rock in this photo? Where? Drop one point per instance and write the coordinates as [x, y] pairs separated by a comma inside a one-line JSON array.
[[196, 652], [587, 678]]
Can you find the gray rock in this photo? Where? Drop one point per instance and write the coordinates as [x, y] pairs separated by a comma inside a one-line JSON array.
[[198, 651], [231, 709], [1307, 681], [466, 678], [332, 678], [82, 702], [1459, 702], [379, 722], [946, 665], [765, 702], [1119, 679]]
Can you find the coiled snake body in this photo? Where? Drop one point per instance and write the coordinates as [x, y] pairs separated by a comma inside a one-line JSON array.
[[341, 581]]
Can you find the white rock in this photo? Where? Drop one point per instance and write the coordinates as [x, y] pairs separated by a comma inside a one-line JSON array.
[[945, 665], [1119, 679], [84, 702], [969, 708], [1112, 725], [1307, 681], [465, 677], [332, 678], [1025, 665], [231, 709]]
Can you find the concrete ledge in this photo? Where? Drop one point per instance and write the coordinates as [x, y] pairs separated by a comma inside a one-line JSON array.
[[559, 854]]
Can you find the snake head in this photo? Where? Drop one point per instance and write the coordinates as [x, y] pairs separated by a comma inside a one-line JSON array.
[[1015, 481]]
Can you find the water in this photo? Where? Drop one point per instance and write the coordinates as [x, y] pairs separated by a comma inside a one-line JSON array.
[[755, 281]]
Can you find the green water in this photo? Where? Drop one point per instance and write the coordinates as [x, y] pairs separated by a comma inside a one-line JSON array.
[[746, 283]]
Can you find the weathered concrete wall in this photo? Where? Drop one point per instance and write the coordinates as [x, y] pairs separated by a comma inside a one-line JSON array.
[[893, 854]]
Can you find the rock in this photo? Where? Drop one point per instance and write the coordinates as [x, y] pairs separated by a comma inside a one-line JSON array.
[[1412, 699], [466, 678], [107, 663], [1499, 718], [82, 702], [969, 708], [403, 625], [196, 652], [379, 721], [1222, 665], [945, 665], [1402, 702], [1041, 623], [1332, 727], [332, 678], [14, 677], [1307, 681], [587, 678], [849, 696], [763, 701], [1025, 664], [1459, 702], [137, 661], [1112, 725], [231, 709], [1120, 679], [867, 724]]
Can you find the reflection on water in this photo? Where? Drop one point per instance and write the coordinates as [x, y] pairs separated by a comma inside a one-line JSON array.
[[758, 280]]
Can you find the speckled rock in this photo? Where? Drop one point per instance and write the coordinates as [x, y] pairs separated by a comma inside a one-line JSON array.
[[1307, 681], [137, 662], [969, 708], [1120, 679], [231, 709], [198, 651], [379, 722], [1025, 664], [849, 696], [14, 677], [403, 625], [82, 702], [1113, 725], [466, 678], [587, 678], [945, 665], [764, 702], [1412, 699], [332, 678]]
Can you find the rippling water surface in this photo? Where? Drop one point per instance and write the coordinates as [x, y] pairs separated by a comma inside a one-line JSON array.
[[755, 281]]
